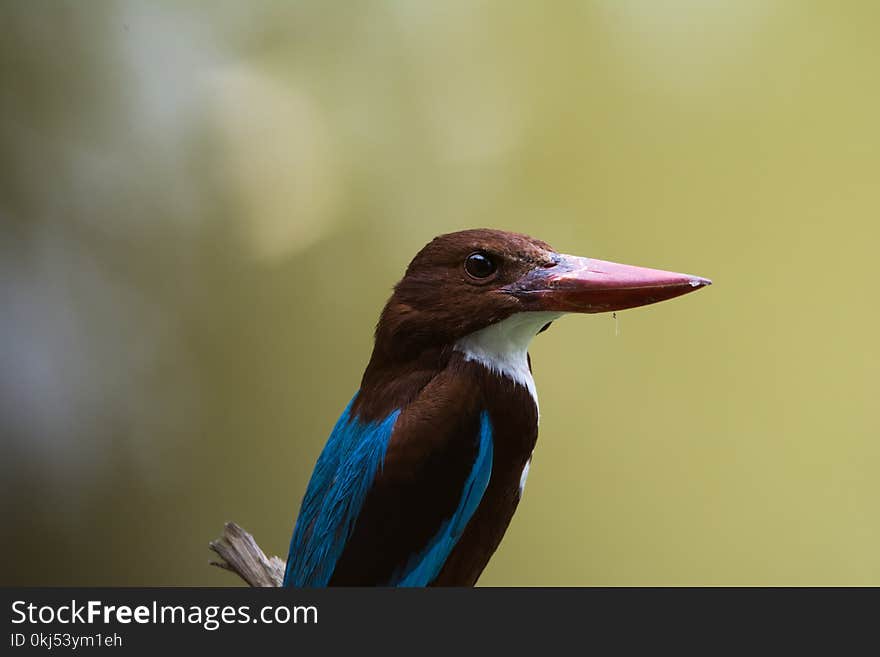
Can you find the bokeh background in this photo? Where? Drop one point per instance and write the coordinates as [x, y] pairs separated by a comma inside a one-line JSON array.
[[204, 207]]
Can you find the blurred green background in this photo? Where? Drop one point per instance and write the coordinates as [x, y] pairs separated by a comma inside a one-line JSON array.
[[205, 205]]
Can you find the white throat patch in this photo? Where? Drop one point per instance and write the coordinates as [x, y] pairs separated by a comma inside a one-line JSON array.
[[503, 347]]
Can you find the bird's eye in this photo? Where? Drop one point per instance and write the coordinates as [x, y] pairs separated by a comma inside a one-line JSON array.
[[480, 265]]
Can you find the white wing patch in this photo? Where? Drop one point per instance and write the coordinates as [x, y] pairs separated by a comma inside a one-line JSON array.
[[524, 476]]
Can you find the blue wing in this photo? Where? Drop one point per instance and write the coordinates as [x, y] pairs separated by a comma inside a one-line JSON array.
[[346, 474], [334, 497]]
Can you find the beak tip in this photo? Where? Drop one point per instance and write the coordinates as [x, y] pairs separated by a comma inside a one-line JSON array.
[[698, 281]]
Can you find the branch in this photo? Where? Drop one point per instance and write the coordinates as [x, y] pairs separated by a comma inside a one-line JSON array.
[[241, 555]]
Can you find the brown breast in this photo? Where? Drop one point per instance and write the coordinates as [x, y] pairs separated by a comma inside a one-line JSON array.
[[514, 418]]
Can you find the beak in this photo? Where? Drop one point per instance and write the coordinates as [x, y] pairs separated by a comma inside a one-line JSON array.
[[586, 285]]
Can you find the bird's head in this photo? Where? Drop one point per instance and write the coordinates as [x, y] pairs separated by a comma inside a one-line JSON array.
[[463, 282]]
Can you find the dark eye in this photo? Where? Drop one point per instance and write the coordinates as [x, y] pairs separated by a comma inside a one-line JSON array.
[[480, 265]]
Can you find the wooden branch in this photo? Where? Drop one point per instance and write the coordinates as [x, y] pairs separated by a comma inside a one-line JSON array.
[[241, 555]]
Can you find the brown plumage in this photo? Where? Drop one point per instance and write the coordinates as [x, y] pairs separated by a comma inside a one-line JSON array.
[[437, 303], [450, 356]]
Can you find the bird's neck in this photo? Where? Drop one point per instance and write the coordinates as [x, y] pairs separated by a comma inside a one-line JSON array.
[[395, 376], [391, 382], [503, 348]]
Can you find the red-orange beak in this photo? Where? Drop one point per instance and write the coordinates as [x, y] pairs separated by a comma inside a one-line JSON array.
[[586, 285]]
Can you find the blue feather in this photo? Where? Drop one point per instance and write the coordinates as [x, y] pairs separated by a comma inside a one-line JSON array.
[[336, 492], [423, 568]]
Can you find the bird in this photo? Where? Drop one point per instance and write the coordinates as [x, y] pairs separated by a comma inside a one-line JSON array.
[[423, 471]]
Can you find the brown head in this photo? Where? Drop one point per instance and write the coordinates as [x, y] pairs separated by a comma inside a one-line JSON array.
[[487, 293], [465, 281]]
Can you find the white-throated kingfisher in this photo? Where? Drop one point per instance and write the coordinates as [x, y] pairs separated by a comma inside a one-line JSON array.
[[424, 469]]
